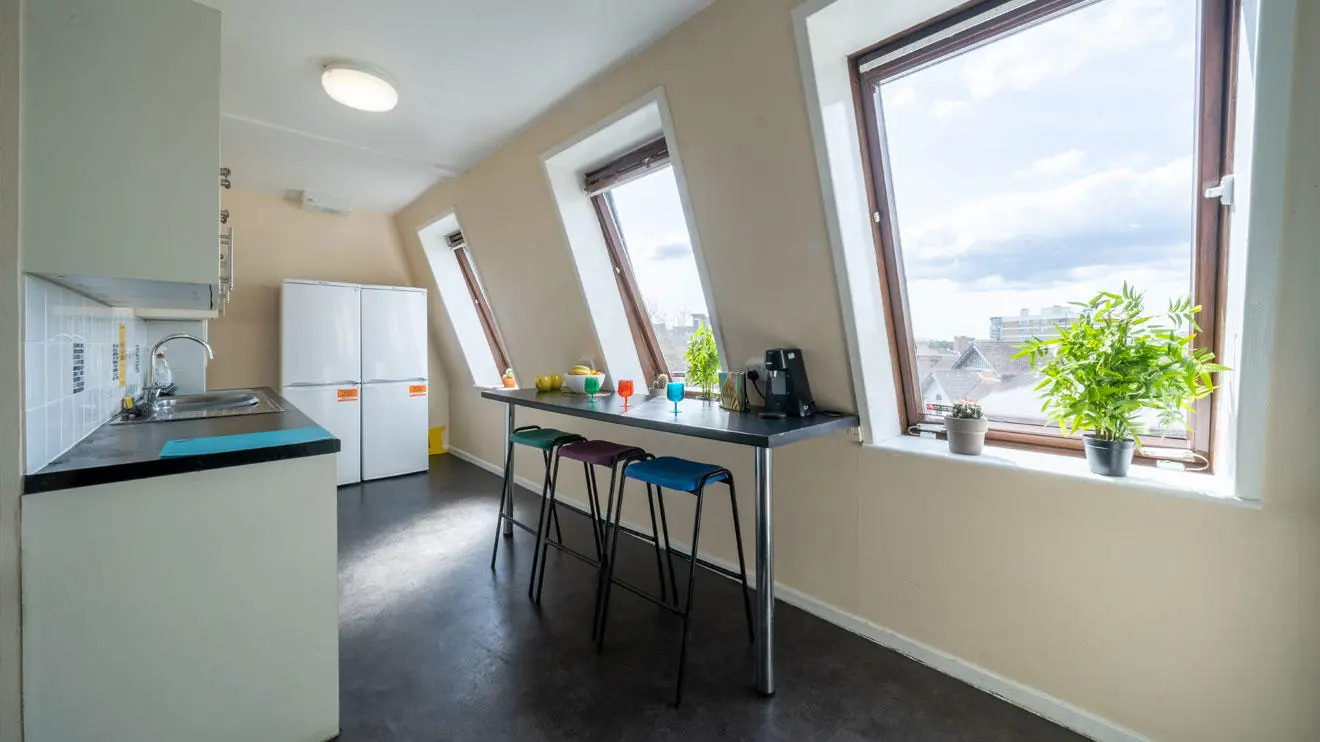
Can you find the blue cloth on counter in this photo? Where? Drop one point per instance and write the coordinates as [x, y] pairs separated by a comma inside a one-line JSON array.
[[242, 441]]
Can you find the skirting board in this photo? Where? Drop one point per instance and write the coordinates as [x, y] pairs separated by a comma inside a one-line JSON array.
[[1042, 704]]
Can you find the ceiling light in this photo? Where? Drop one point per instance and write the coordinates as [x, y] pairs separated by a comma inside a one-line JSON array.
[[357, 88]]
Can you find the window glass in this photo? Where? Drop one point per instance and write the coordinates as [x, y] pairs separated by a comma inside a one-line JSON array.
[[650, 218], [1032, 172]]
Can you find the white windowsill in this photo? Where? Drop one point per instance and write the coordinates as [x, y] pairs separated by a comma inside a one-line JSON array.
[[1192, 485]]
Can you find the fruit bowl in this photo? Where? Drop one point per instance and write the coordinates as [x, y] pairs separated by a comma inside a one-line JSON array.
[[575, 384]]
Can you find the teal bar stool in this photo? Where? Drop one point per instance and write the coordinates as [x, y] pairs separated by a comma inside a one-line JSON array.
[[548, 441], [668, 472]]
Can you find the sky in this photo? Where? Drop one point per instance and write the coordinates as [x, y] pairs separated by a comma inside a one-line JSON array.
[[1043, 167], [655, 235]]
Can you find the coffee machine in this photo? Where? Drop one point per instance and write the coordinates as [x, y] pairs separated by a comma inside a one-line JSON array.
[[787, 391]]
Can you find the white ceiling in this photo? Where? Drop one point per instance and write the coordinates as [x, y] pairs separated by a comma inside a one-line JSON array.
[[470, 75]]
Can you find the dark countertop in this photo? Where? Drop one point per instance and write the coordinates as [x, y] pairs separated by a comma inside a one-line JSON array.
[[117, 453], [696, 418]]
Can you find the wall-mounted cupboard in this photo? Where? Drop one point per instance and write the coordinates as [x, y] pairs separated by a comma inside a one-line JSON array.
[[121, 151]]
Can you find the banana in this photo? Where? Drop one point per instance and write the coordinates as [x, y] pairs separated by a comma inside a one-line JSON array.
[[580, 371]]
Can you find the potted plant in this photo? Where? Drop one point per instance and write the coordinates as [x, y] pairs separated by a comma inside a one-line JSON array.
[[1115, 363], [965, 426], [703, 360]]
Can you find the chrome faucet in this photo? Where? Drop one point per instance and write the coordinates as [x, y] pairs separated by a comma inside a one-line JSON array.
[[151, 391]]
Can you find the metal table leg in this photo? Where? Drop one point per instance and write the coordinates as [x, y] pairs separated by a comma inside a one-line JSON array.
[[765, 578], [509, 425]]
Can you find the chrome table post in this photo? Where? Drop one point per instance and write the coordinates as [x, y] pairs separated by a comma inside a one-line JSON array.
[[509, 425], [765, 578]]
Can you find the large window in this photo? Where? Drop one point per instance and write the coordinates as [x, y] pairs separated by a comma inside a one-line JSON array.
[[1026, 155], [477, 293], [636, 198]]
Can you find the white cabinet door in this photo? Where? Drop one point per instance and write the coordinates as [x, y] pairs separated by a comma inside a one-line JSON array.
[[338, 409], [320, 333], [393, 334], [121, 147], [394, 426]]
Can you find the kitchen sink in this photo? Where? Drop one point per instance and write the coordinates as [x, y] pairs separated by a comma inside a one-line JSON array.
[[224, 403]]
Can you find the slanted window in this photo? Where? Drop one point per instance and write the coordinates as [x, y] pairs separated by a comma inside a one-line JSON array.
[[1025, 155], [637, 201], [456, 243]]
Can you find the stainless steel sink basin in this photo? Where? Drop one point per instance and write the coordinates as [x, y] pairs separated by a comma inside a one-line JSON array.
[[210, 404]]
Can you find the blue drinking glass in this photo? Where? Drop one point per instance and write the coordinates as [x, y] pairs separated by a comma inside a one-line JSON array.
[[675, 393]]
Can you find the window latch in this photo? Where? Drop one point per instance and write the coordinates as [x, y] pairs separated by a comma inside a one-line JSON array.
[[1223, 191]]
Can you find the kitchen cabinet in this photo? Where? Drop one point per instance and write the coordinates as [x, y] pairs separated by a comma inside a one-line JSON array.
[[200, 606], [121, 150]]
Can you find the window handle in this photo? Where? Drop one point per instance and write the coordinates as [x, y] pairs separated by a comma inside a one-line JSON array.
[[1223, 191]]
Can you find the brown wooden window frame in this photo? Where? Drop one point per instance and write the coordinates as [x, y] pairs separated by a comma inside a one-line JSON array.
[[1216, 104], [458, 244], [597, 183]]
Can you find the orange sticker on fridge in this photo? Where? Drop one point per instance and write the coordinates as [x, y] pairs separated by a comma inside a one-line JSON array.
[[416, 390], [348, 395]]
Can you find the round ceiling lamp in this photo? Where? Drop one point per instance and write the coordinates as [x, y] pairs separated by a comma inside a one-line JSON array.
[[357, 87]]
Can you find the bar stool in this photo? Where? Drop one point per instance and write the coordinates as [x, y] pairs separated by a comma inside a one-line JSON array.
[[547, 440], [692, 477], [613, 456]]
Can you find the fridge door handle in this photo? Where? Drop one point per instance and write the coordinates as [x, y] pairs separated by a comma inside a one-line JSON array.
[[395, 381], [323, 383]]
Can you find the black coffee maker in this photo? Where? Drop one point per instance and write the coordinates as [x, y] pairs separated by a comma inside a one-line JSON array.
[[787, 391]]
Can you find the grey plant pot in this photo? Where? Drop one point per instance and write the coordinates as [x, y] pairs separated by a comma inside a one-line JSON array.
[[966, 437], [1108, 458]]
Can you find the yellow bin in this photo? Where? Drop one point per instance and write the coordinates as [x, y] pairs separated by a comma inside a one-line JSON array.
[[435, 438]]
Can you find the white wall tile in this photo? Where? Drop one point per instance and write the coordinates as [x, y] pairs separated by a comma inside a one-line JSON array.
[[34, 309], [36, 438], [56, 318]]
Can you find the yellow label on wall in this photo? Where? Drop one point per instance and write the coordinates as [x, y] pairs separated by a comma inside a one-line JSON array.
[[123, 355]]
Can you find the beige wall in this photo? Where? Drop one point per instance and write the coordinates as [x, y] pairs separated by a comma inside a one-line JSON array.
[[1180, 619], [277, 240]]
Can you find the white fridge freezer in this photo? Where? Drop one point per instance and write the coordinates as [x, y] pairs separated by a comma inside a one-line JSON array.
[[394, 381], [321, 362]]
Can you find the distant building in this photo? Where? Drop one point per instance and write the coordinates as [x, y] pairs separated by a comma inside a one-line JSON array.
[[1043, 324]]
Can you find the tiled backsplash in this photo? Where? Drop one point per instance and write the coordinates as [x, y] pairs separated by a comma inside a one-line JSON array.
[[72, 366]]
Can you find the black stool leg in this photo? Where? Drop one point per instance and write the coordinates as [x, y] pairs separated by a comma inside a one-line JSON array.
[[687, 607], [655, 534], [537, 582], [669, 552], [593, 504], [607, 574], [546, 515], [505, 493], [742, 564]]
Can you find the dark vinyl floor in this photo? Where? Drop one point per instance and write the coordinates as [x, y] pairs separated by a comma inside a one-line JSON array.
[[436, 646]]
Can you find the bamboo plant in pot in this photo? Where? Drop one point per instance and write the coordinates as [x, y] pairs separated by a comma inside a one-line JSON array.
[[1115, 365], [965, 425]]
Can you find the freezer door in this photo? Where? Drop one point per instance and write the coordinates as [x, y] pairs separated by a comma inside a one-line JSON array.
[[320, 333], [394, 423], [393, 334], [338, 409]]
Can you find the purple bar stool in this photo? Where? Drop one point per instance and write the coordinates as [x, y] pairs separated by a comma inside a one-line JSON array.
[[614, 456]]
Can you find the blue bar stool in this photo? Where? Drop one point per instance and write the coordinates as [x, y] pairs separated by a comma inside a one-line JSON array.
[[668, 472], [613, 456], [547, 440]]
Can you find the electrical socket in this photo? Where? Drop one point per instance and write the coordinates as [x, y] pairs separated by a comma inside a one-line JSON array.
[[756, 365]]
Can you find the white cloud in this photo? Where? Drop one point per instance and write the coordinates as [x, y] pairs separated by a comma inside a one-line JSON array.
[[1093, 202], [1059, 47], [1064, 163], [947, 107], [898, 94]]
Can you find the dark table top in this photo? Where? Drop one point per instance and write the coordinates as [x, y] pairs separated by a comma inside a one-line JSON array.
[[117, 453], [695, 418]]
